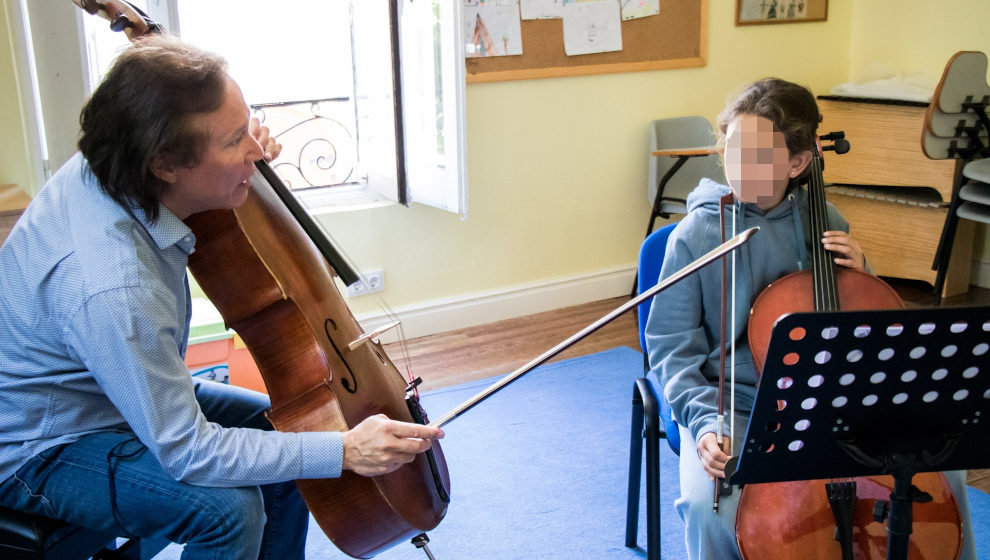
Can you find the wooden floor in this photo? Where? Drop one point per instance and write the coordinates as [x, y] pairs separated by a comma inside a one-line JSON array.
[[497, 348]]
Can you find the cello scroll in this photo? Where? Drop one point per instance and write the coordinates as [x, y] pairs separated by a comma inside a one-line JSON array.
[[123, 16]]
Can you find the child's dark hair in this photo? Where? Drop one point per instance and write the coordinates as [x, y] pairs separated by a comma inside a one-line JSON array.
[[147, 107], [790, 107]]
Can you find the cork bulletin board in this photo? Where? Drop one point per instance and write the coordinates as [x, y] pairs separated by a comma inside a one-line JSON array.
[[676, 38]]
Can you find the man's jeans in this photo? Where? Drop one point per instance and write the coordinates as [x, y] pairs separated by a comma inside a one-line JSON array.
[[109, 481]]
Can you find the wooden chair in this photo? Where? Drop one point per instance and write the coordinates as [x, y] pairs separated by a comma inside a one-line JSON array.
[[957, 127]]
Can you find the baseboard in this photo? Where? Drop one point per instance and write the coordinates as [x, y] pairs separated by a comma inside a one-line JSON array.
[[477, 309], [980, 273]]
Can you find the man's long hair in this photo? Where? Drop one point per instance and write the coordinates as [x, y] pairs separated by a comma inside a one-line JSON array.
[[146, 108]]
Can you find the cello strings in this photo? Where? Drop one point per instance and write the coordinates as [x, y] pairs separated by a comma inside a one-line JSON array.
[[825, 290], [314, 227], [826, 293], [816, 253], [401, 339]]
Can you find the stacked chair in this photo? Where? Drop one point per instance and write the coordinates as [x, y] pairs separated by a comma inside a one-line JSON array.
[[957, 127]]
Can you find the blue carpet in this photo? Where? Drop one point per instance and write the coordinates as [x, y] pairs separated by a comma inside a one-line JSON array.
[[539, 470]]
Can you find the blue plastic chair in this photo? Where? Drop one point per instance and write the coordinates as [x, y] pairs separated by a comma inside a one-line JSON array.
[[651, 254], [651, 416]]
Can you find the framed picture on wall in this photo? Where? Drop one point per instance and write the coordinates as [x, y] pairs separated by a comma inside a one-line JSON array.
[[759, 12]]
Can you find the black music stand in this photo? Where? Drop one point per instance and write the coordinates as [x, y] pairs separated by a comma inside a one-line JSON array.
[[862, 393]]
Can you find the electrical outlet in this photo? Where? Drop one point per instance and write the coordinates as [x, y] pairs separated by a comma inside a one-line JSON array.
[[369, 282]]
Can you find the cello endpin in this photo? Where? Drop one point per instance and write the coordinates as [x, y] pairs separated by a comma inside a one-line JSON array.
[[420, 541]]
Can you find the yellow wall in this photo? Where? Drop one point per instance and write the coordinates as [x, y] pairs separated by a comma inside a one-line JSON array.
[[557, 167], [14, 166], [919, 36], [915, 35]]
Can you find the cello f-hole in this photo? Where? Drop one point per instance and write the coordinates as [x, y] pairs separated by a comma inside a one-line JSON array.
[[349, 383]]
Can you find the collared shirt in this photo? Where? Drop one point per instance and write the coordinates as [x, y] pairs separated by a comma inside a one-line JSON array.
[[94, 316]]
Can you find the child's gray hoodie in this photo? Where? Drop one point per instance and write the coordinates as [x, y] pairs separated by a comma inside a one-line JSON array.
[[684, 324]]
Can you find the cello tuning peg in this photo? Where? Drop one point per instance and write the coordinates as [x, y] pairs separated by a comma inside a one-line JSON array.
[[120, 23], [92, 7], [839, 145]]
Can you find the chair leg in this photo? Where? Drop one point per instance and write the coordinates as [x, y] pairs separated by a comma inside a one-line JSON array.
[[133, 549], [635, 469], [659, 196], [651, 413], [655, 212], [944, 251], [129, 550], [645, 411], [940, 263]]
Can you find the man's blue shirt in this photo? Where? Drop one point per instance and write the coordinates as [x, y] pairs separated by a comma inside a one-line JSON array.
[[94, 316]]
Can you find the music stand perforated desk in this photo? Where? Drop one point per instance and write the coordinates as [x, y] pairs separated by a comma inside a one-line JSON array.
[[862, 393]]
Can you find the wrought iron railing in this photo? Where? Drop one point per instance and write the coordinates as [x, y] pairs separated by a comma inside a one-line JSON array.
[[319, 141]]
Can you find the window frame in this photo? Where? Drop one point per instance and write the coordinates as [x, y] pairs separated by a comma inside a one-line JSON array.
[[54, 85], [438, 180]]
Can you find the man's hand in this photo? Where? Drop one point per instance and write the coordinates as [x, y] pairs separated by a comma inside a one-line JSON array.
[[261, 133], [379, 446], [712, 456]]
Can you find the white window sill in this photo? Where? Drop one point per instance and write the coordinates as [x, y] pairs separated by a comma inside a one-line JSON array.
[[343, 198]]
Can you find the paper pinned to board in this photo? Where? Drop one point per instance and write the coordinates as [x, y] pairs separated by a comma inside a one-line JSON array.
[[492, 28], [554, 9], [635, 9], [592, 27], [542, 9]]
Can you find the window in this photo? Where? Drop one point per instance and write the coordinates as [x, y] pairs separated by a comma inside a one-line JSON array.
[[433, 102], [321, 74]]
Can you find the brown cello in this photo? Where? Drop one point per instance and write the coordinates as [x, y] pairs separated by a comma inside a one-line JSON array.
[[273, 283], [794, 520]]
